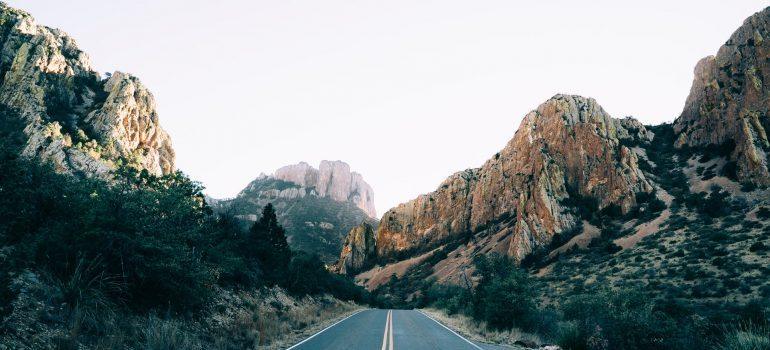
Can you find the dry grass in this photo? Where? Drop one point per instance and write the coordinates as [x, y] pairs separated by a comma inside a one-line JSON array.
[[272, 319]]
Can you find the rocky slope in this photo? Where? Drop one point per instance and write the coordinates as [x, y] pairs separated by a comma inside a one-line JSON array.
[[728, 102], [584, 200], [316, 206], [72, 117], [567, 149]]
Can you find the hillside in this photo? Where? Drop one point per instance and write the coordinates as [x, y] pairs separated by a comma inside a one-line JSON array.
[[585, 202]]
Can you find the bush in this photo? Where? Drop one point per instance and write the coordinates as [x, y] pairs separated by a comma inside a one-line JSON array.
[[763, 213], [624, 319], [758, 247]]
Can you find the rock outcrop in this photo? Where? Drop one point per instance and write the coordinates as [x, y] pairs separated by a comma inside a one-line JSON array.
[[318, 207], [729, 100], [74, 119], [358, 250], [567, 149], [332, 179]]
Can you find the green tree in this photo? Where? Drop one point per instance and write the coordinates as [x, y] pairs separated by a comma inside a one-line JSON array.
[[505, 295], [268, 245], [306, 274]]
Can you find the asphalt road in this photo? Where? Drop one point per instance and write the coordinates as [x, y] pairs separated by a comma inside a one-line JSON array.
[[387, 330]]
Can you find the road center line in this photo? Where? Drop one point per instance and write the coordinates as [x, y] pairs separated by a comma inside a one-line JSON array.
[[385, 334], [391, 331], [453, 332]]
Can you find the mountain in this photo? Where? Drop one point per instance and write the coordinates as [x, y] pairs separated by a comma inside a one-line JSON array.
[[728, 101], [567, 149], [583, 200], [316, 206], [332, 179], [70, 115]]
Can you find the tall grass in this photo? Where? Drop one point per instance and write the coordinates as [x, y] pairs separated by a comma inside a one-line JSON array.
[[745, 337], [88, 296]]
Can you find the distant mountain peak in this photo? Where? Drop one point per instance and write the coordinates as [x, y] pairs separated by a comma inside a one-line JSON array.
[[332, 179]]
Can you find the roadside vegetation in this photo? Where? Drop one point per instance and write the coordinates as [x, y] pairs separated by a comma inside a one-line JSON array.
[[141, 261], [506, 303]]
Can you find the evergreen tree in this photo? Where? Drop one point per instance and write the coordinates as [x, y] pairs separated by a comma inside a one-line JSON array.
[[269, 244]]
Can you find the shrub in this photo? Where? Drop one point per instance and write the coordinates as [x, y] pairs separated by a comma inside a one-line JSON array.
[[730, 170], [758, 247], [763, 213], [626, 320]]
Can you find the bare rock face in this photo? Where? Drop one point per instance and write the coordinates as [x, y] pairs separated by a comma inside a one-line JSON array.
[[332, 179], [359, 248], [74, 119], [567, 148], [729, 100]]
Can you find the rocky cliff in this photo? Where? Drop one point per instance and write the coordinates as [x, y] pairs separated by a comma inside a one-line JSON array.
[[75, 119], [316, 206], [728, 101], [358, 249], [332, 179], [584, 201], [566, 150]]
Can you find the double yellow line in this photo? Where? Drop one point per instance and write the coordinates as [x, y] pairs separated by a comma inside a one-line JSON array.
[[387, 338]]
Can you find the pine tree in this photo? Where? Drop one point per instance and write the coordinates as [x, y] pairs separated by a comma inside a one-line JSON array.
[[269, 244]]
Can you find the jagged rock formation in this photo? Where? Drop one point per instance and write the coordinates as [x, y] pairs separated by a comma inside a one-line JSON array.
[[728, 101], [677, 195], [566, 149], [316, 206], [359, 248], [74, 119], [332, 179]]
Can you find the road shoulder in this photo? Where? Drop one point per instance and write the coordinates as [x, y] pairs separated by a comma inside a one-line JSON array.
[[297, 337], [478, 334]]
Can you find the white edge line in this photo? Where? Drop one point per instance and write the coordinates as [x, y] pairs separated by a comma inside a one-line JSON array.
[[453, 332], [321, 331]]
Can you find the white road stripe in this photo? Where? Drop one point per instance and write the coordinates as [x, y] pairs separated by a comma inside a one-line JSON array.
[[391, 331], [453, 332], [385, 334], [335, 323]]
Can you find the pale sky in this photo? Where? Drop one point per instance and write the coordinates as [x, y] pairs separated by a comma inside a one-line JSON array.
[[405, 91]]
